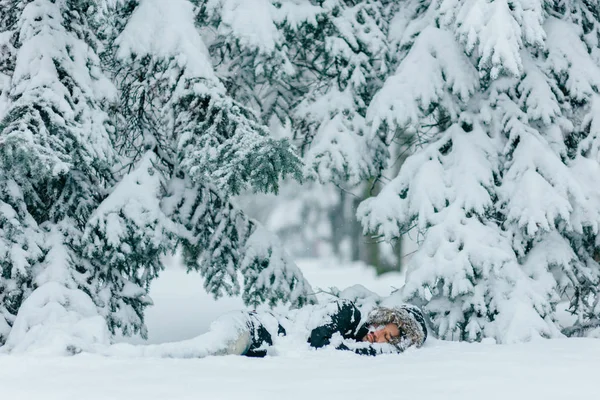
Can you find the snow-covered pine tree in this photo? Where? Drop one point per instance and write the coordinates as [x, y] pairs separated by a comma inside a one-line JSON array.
[[317, 64], [343, 50], [19, 233], [573, 60], [251, 53], [55, 155], [188, 148], [502, 183], [342, 56], [7, 52], [19, 251], [6, 214]]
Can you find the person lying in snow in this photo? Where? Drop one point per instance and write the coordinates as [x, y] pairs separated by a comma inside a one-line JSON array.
[[338, 324], [385, 330]]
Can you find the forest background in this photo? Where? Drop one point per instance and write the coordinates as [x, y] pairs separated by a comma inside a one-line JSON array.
[[134, 130]]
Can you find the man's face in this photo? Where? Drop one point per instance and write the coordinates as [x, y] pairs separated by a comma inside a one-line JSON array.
[[381, 334]]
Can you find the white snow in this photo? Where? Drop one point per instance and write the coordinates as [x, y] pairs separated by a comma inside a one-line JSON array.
[[548, 369], [166, 29], [251, 22], [435, 64], [57, 315], [502, 151]]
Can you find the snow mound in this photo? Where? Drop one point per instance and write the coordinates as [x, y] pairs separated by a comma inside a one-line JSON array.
[[55, 320]]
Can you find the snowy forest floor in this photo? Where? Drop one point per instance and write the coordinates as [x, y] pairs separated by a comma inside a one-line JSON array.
[[553, 369], [543, 369]]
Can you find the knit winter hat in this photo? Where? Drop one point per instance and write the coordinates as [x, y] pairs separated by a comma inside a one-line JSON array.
[[409, 320]]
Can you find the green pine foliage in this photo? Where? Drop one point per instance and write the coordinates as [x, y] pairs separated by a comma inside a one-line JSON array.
[[55, 155], [128, 128], [501, 95], [205, 148], [496, 101], [118, 146]]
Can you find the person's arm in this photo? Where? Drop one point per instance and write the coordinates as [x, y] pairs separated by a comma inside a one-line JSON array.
[[343, 321], [369, 349], [363, 351]]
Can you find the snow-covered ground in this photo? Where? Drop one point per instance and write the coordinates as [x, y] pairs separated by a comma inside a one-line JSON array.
[[543, 369], [553, 369]]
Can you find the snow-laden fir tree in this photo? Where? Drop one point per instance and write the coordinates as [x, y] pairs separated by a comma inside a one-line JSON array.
[[55, 154], [6, 214], [186, 148], [251, 53], [342, 56], [95, 188], [316, 66], [502, 96], [345, 46]]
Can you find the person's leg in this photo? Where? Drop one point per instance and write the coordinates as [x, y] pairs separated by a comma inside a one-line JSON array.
[[231, 333], [263, 327]]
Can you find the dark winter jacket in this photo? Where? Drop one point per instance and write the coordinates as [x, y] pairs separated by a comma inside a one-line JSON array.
[[347, 322], [260, 336]]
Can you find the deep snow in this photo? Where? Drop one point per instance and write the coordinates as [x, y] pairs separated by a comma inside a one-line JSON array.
[[542, 369], [549, 369]]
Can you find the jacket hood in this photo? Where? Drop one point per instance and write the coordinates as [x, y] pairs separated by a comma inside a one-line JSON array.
[[409, 320]]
